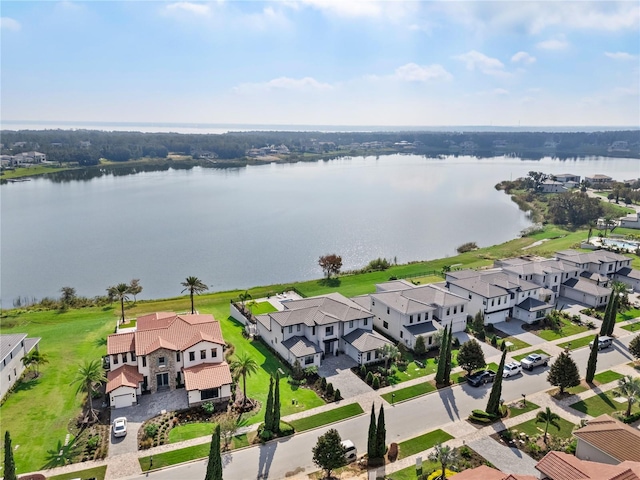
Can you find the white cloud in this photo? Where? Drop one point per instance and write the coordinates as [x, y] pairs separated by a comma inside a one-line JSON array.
[[620, 55], [392, 10], [553, 44], [479, 61], [500, 91], [412, 72], [305, 84], [523, 57], [200, 9], [8, 23]]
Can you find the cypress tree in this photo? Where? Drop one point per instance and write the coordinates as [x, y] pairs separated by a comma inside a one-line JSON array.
[[442, 358], [607, 314], [612, 315], [593, 360], [493, 404], [276, 405], [9, 464], [447, 366], [268, 413], [214, 465], [371, 441], [381, 435]]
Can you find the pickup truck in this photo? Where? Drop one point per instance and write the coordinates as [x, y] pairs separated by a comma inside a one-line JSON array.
[[511, 369], [477, 379], [534, 360]]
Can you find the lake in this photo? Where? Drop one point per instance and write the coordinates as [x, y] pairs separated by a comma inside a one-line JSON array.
[[258, 225]]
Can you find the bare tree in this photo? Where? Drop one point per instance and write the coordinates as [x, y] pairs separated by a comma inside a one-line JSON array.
[[330, 264]]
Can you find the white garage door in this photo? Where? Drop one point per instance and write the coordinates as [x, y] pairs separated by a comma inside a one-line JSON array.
[[496, 317], [121, 401]]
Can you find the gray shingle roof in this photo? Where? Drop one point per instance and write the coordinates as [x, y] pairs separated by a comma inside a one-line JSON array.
[[301, 346], [366, 340], [8, 342], [421, 328], [532, 304], [629, 272], [588, 287], [597, 256], [425, 298]]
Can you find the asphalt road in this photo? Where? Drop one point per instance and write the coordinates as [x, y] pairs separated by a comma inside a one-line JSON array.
[[277, 460]]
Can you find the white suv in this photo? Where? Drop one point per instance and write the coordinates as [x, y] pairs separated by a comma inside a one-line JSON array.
[[511, 369], [350, 454]]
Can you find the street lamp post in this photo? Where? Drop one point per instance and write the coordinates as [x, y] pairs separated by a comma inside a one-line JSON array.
[[393, 397]]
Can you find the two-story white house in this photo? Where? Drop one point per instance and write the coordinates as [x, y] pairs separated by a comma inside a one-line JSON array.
[[311, 328], [13, 348], [169, 351], [405, 311]]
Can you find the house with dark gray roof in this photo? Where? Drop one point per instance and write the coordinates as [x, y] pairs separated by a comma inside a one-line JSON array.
[[629, 277], [309, 329], [13, 348]]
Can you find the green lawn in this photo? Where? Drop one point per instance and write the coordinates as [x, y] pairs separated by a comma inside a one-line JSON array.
[[263, 307], [630, 314], [632, 327], [602, 403], [426, 279], [626, 231], [30, 171], [517, 343], [409, 392], [532, 428], [577, 342], [422, 443], [410, 473], [98, 473], [325, 418], [568, 328], [515, 409], [607, 376], [189, 431], [522, 355]]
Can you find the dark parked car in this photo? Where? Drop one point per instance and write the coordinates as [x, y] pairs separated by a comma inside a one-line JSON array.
[[479, 378]]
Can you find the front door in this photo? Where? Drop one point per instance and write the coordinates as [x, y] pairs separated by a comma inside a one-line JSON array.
[[163, 380], [328, 347]]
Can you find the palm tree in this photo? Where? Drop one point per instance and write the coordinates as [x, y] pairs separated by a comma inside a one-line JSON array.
[[242, 366], [591, 224], [629, 387], [120, 292], [193, 285], [445, 456], [33, 360], [243, 298], [548, 417], [388, 351], [88, 376]]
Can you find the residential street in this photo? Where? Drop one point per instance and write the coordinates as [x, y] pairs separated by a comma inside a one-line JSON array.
[[284, 458]]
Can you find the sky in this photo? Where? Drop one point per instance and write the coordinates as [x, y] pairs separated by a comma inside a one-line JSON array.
[[322, 62]]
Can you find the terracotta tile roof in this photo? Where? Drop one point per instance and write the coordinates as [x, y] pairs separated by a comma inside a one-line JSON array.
[[487, 473], [562, 466], [612, 437], [207, 375], [120, 343], [127, 376], [166, 330]]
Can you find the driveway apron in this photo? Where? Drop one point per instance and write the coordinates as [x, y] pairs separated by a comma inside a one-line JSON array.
[[337, 371]]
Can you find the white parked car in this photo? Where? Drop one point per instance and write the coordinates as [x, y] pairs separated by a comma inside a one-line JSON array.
[[350, 454], [511, 369], [120, 427]]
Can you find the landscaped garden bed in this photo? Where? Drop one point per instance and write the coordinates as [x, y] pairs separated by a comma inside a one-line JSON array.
[[529, 437], [558, 325]]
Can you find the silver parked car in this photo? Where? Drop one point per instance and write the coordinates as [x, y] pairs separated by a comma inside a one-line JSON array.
[[120, 427]]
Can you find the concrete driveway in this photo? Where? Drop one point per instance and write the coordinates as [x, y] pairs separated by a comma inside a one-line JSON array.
[[337, 370], [507, 459], [513, 328], [148, 407], [487, 349]]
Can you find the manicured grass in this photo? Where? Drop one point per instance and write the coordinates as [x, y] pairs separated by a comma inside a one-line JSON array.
[[98, 473], [409, 392], [410, 473], [516, 409], [414, 371], [602, 403], [31, 171], [532, 428], [517, 343], [632, 327], [607, 376], [426, 279], [522, 355], [577, 342], [626, 231], [263, 307], [568, 328], [189, 431], [325, 418], [630, 314], [422, 443]]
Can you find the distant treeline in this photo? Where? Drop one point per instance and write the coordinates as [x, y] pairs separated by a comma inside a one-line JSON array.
[[86, 147]]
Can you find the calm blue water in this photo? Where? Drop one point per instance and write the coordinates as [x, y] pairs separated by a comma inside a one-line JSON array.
[[257, 225]]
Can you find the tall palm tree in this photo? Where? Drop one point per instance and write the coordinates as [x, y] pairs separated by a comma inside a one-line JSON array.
[[242, 366], [548, 418], [193, 285], [629, 387], [88, 376], [120, 292], [388, 352], [33, 360], [445, 456]]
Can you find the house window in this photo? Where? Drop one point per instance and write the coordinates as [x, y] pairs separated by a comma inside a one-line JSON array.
[[401, 334], [410, 318], [203, 354], [540, 314], [144, 361], [366, 321], [385, 324], [470, 296], [115, 359], [426, 316], [308, 360], [192, 356], [328, 330], [214, 353], [313, 330], [388, 310], [9, 377], [290, 328], [177, 356], [373, 302], [419, 317], [455, 310], [610, 267], [498, 301], [461, 308], [430, 340], [162, 362], [448, 311], [209, 393], [492, 302], [555, 279], [124, 357], [298, 328], [368, 356], [133, 356], [350, 323]]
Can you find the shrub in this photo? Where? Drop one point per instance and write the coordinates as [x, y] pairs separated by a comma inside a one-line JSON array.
[[465, 452], [376, 383], [146, 443], [480, 335], [298, 373], [311, 371], [266, 435], [467, 247], [323, 384], [208, 408], [489, 327], [337, 396], [329, 391], [150, 430], [286, 429], [363, 371], [369, 378], [392, 454], [456, 343], [494, 341]]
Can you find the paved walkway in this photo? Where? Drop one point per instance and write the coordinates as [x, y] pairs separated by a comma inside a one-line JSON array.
[[507, 459], [127, 465]]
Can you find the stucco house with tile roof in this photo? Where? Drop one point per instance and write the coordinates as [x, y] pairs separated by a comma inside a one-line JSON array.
[[563, 466], [311, 328], [607, 440], [169, 351], [13, 348]]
